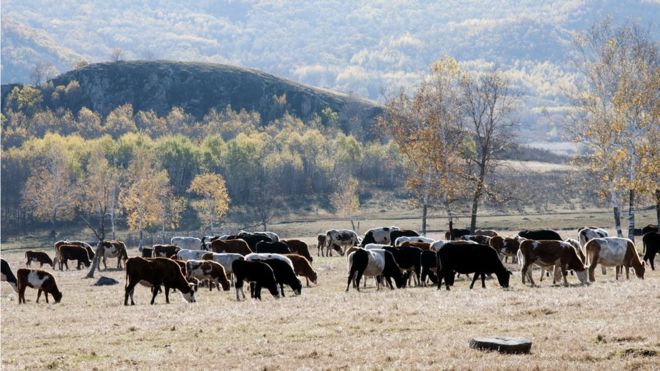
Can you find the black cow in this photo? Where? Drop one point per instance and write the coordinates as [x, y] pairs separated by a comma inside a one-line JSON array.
[[649, 228], [540, 234], [408, 258], [8, 275], [284, 274], [254, 271], [428, 263], [251, 239], [456, 233], [651, 247], [73, 252], [273, 247], [404, 233], [470, 258], [147, 252]]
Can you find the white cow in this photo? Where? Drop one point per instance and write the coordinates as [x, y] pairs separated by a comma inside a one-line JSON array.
[[267, 256], [226, 260], [186, 254], [399, 241], [188, 243], [375, 266], [613, 252]]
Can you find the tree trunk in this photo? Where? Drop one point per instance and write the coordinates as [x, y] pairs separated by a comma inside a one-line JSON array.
[[353, 224], [141, 243], [631, 216], [424, 215], [95, 261], [614, 200], [477, 196], [53, 233]]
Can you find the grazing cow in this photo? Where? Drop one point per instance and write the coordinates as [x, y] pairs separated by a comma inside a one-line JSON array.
[[479, 259], [408, 259], [254, 271], [651, 242], [550, 253], [8, 275], [113, 249], [208, 270], [378, 235], [540, 234], [165, 251], [224, 259], [320, 243], [154, 272], [485, 232], [73, 252], [272, 247], [189, 243], [339, 239], [299, 247], [269, 256], [420, 239], [85, 245], [237, 246], [456, 234], [303, 268], [37, 279], [478, 238], [251, 239], [613, 252], [284, 273], [421, 245], [374, 263], [402, 233], [439, 243], [38, 256], [428, 264]]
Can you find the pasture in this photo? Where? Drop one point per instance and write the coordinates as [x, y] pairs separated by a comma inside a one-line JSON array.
[[607, 325]]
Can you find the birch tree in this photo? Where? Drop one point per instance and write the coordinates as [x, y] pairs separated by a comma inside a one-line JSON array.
[[345, 199], [213, 202]]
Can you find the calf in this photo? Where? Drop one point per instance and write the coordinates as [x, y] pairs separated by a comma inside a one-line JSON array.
[[339, 240], [113, 249], [165, 251], [419, 239], [428, 265], [154, 272], [237, 246], [402, 233], [299, 247], [73, 252], [272, 248], [540, 234], [320, 243], [548, 254], [303, 268], [613, 252], [254, 271], [479, 259], [8, 275], [208, 270], [651, 242], [378, 235], [375, 263], [38, 256], [37, 279]]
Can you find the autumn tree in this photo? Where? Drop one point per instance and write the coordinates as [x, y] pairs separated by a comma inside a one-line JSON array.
[[345, 199], [213, 202], [617, 111]]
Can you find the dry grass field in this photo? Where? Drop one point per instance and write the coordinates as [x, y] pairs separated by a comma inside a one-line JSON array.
[[606, 325]]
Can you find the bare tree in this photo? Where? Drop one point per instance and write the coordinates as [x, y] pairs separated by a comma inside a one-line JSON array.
[[42, 72]]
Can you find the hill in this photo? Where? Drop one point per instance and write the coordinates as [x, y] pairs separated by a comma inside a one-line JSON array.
[[198, 87]]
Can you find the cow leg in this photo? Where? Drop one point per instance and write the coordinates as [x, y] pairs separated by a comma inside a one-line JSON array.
[[524, 273], [282, 289], [389, 282], [153, 295], [46, 295], [38, 295], [128, 290], [21, 293], [627, 272], [474, 279], [483, 281], [616, 272]]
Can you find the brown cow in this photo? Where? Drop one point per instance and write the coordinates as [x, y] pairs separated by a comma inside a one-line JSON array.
[[303, 268], [478, 238], [507, 246], [39, 256], [236, 246], [85, 245], [299, 247], [37, 279], [613, 251], [549, 253], [73, 252], [422, 245], [113, 249], [154, 272], [166, 251], [485, 232], [208, 270]]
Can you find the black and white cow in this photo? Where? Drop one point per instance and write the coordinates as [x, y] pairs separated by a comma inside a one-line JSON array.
[[400, 240], [8, 275], [377, 263], [378, 235], [402, 233], [339, 240]]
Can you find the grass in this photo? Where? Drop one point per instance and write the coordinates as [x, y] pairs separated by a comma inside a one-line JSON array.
[[607, 325]]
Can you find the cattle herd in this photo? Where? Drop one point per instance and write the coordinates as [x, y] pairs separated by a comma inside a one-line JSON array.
[[392, 256]]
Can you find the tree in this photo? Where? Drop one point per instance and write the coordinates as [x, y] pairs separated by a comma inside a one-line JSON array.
[[116, 54], [214, 199], [42, 72], [142, 198], [487, 106], [618, 112], [345, 200]]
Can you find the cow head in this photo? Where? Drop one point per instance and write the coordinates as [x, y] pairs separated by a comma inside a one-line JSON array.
[[583, 276], [57, 295], [297, 287], [639, 272], [503, 278], [225, 285], [190, 295], [338, 249]]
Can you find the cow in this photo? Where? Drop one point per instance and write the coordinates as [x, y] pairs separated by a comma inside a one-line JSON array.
[[422, 245], [479, 259], [272, 247], [37, 279], [189, 243], [377, 263], [154, 272], [613, 252], [435, 246], [147, 252], [73, 252], [299, 247], [282, 268], [253, 239], [428, 265], [586, 234], [303, 268], [649, 228], [254, 271], [320, 243], [225, 259], [478, 238], [540, 234], [165, 251], [339, 239], [408, 259], [550, 253], [113, 249], [402, 233], [485, 232], [185, 254], [7, 275], [378, 235], [38, 256], [420, 239], [651, 242], [237, 246], [456, 233], [85, 245], [208, 270]]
